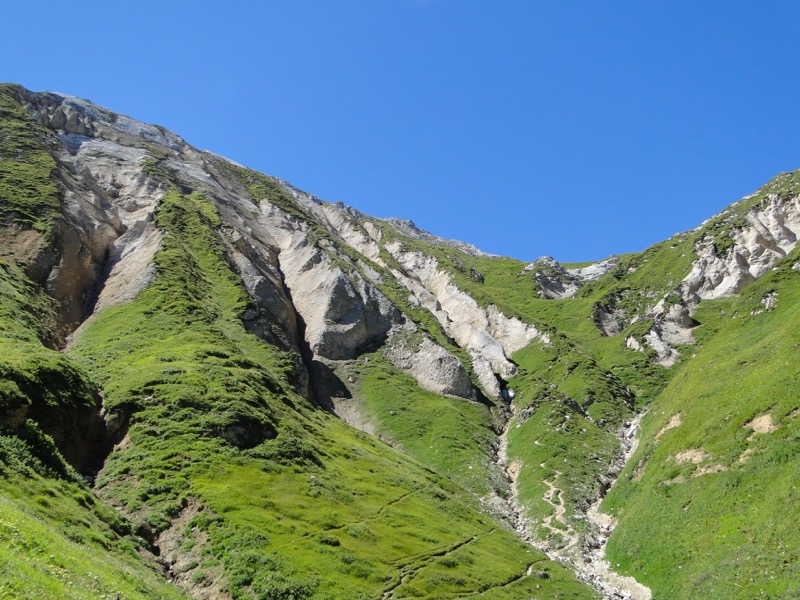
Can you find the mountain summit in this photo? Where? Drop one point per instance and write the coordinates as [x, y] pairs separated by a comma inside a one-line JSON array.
[[215, 385]]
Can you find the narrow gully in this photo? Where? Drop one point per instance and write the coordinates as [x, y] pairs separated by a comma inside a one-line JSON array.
[[590, 565]]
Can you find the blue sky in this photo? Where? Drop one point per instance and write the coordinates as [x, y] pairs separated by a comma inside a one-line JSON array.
[[574, 129]]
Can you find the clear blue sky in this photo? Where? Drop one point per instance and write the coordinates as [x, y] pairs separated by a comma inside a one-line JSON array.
[[575, 129]]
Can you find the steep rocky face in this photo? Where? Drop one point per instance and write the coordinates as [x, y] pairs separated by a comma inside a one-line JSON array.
[[112, 173], [760, 234], [488, 335], [344, 314], [769, 233], [555, 282], [433, 367], [153, 265]]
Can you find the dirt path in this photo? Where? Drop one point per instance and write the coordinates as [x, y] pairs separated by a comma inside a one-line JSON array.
[[411, 566], [554, 497]]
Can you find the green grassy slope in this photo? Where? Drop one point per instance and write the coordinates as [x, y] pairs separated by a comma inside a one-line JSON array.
[[295, 504], [574, 393], [724, 527], [572, 397], [267, 496], [57, 539], [450, 435], [28, 193]]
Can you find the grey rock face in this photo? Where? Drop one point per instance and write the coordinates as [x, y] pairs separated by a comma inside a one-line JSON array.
[[344, 314], [408, 228], [316, 275], [770, 233], [610, 319], [433, 367], [553, 280]]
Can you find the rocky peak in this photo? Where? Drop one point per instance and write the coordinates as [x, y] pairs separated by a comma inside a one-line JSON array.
[[410, 229]]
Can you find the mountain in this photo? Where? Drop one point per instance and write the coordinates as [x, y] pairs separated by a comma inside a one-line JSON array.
[[215, 385]]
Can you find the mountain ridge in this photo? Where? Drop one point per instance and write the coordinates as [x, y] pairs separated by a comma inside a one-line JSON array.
[[250, 323]]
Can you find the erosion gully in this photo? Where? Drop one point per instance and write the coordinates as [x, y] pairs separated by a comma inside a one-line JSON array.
[[588, 561]]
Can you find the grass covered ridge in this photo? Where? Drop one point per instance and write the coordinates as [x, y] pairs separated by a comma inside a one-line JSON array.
[[28, 192], [51, 524], [58, 540], [704, 504], [295, 504]]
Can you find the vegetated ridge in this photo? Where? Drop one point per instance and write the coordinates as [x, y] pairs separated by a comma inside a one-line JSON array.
[[215, 385]]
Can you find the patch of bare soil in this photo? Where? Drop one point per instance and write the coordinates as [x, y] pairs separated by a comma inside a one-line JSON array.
[[745, 456], [674, 422], [349, 411], [709, 469], [183, 559], [762, 424], [123, 444], [638, 472], [19, 244], [693, 455]]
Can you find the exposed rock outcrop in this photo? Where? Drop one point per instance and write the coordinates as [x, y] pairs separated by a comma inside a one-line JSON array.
[[609, 318], [408, 228], [489, 335], [433, 367], [555, 282], [344, 314], [768, 233]]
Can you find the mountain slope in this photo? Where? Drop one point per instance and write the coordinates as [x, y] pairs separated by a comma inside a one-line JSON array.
[[286, 398], [171, 306], [714, 477]]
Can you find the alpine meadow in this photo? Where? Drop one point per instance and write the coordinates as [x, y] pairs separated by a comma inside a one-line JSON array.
[[214, 385]]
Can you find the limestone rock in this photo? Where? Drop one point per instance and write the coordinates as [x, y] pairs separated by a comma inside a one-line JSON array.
[[553, 280], [489, 335], [344, 315], [408, 228], [433, 367], [556, 282], [771, 233]]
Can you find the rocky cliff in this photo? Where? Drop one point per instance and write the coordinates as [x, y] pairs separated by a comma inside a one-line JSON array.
[[285, 397]]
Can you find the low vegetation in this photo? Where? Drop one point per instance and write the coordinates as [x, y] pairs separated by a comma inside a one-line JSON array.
[[209, 473], [294, 503], [28, 192], [703, 504]]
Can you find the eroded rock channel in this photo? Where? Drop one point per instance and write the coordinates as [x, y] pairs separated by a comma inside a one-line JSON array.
[[584, 553]]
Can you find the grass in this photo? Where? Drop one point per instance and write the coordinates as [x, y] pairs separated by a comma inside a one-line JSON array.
[[580, 389], [28, 192], [728, 533], [295, 503], [36, 382], [573, 396], [51, 525], [351, 528], [274, 498], [58, 540], [455, 437]]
